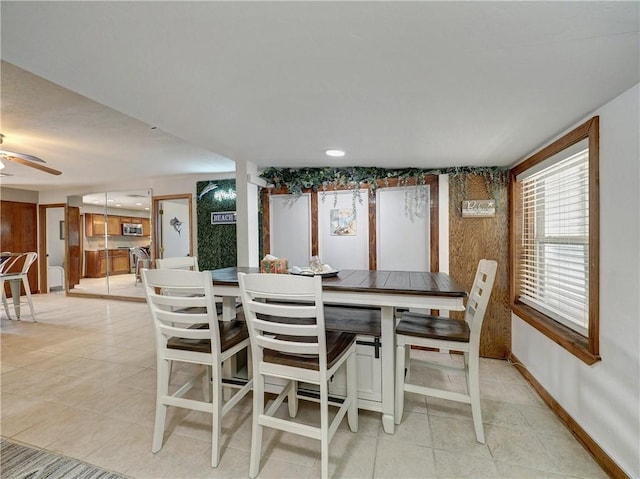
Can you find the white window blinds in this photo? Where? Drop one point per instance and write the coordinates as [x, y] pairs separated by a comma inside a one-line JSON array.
[[554, 263]]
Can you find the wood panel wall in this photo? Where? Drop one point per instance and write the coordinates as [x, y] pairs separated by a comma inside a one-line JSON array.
[[18, 234], [472, 239]]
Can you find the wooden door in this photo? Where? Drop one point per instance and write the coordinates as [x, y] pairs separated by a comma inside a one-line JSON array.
[[73, 245], [18, 234]]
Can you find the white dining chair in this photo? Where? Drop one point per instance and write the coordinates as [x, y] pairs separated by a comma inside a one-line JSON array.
[[187, 330], [427, 331], [285, 318], [16, 274], [143, 260]]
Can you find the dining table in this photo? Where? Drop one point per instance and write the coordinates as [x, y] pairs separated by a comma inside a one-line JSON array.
[[388, 290]]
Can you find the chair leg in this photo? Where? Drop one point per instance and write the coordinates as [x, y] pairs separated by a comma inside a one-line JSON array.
[[399, 399], [324, 430], [27, 290], [15, 296], [292, 400], [4, 301], [474, 392], [217, 414], [256, 428], [352, 392], [207, 383], [161, 408]]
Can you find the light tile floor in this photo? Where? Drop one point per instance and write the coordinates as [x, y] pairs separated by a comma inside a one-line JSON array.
[[81, 381]]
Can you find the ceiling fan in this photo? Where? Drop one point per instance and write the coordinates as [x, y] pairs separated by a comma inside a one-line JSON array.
[[24, 159]]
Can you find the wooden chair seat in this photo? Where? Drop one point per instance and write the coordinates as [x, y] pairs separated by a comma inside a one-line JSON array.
[[337, 345], [231, 334], [434, 327], [343, 319], [349, 319]]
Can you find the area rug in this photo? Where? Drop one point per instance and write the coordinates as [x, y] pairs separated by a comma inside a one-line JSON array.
[[23, 462]]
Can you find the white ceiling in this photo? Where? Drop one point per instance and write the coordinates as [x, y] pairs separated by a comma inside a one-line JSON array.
[[395, 84]]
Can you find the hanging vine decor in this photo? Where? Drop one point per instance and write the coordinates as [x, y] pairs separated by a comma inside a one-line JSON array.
[[354, 178]]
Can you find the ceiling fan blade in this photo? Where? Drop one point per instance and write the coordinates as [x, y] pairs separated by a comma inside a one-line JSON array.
[[24, 156], [19, 159]]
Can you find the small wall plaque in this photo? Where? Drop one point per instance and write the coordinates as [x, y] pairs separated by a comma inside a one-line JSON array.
[[223, 217], [478, 208]]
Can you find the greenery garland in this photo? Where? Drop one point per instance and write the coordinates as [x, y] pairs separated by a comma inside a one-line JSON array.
[[296, 180]]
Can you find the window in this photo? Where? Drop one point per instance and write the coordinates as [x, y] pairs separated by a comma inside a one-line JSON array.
[[554, 214]]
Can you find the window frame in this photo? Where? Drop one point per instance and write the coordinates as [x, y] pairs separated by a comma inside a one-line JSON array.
[[585, 348]]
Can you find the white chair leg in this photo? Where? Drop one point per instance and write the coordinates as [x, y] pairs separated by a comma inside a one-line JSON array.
[[15, 296], [292, 400], [27, 290], [324, 430], [207, 383], [256, 428], [399, 399], [474, 392], [352, 392], [407, 361], [216, 426], [5, 303], [161, 408]]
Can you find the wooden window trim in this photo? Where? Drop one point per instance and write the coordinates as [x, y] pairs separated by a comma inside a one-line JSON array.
[[587, 349]]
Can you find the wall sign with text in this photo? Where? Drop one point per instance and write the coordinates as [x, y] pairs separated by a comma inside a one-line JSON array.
[[478, 208], [223, 217]]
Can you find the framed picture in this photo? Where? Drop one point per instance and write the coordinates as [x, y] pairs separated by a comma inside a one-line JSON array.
[[61, 230], [343, 222]]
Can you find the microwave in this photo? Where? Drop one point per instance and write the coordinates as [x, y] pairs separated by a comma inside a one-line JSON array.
[[131, 229]]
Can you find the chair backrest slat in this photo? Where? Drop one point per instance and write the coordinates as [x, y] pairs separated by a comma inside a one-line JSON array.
[[178, 262], [12, 263], [479, 296], [276, 327], [286, 310], [291, 347]]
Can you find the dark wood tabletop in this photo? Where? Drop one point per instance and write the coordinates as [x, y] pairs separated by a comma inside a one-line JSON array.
[[367, 281]]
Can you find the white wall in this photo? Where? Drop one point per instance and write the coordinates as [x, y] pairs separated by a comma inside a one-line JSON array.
[[605, 398], [20, 196], [403, 238], [344, 252], [174, 242], [290, 228], [55, 245]]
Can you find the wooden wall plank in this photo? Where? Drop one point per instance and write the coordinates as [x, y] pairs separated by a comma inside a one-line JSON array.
[[18, 234], [472, 239]]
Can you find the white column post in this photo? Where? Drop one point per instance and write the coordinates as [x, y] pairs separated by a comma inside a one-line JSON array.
[[247, 230]]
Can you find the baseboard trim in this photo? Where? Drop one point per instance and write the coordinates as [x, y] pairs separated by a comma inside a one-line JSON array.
[[599, 455]]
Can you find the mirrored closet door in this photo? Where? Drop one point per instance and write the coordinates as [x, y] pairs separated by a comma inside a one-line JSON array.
[[115, 240]]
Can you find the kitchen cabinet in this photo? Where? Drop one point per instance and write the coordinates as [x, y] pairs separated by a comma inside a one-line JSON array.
[[116, 261], [94, 224], [146, 226], [113, 225]]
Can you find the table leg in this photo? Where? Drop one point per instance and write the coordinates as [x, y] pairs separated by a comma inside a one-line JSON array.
[[228, 308], [15, 296], [388, 368]]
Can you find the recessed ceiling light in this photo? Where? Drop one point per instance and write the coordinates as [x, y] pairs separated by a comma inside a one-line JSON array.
[[336, 153], [138, 204]]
